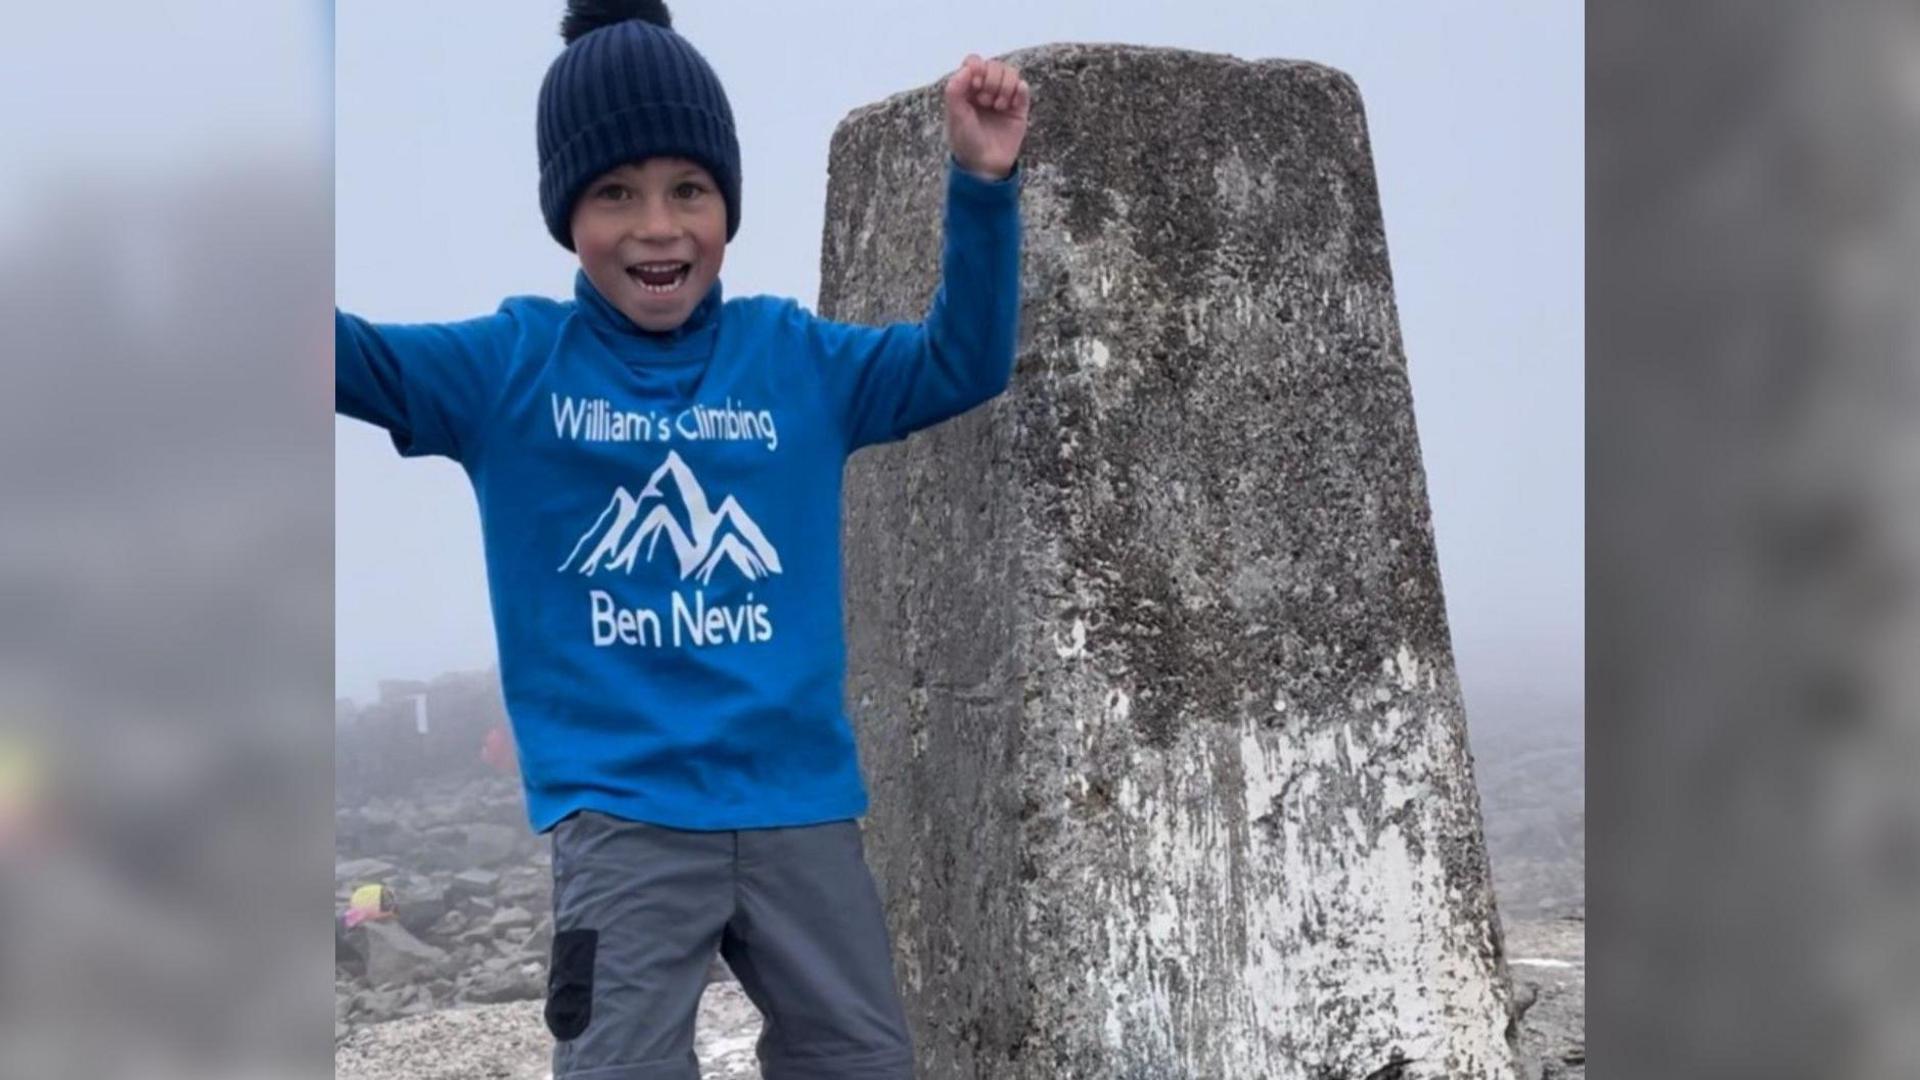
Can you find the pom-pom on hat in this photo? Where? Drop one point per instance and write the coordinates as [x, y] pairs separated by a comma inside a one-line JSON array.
[[627, 88]]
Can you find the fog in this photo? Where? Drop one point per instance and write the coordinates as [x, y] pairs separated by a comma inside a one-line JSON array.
[[1479, 157]]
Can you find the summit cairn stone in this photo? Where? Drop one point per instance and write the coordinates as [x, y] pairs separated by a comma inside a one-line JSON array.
[[1148, 657]]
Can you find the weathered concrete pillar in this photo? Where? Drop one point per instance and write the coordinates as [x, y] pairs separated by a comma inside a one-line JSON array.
[[1148, 657]]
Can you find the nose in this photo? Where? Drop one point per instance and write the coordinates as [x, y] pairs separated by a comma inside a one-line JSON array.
[[654, 221]]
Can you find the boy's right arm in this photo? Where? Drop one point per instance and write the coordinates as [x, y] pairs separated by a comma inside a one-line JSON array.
[[430, 384]]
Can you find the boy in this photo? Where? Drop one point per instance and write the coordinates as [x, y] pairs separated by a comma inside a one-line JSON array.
[[658, 473]]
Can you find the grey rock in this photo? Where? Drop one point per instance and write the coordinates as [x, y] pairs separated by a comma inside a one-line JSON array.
[[371, 1006], [1148, 657], [510, 918], [441, 848], [395, 957], [449, 925], [528, 888], [415, 1000], [508, 983], [470, 883], [539, 943], [420, 905], [355, 872], [492, 845], [364, 830], [1548, 958]]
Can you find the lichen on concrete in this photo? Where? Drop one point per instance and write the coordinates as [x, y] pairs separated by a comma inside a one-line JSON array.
[[1149, 657]]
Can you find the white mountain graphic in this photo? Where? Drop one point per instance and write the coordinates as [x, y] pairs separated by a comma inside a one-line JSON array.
[[673, 506]]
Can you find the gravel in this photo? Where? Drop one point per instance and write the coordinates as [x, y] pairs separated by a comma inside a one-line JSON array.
[[510, 1042]]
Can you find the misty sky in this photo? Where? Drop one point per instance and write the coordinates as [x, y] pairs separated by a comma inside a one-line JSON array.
[[1475, 112]]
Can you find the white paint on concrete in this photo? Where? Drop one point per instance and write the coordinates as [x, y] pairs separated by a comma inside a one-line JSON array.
[[1409, 668], [1394, 957], [1074, 644], [1093, 353]]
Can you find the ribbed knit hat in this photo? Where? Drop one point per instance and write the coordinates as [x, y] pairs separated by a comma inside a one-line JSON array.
[[627, 88]]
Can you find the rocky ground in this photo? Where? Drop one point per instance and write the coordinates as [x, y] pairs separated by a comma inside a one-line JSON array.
[[473, 922], [1548, 962], [452, 985], [510, 1042]]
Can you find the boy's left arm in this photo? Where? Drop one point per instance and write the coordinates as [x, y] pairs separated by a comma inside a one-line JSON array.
[[892, 381]]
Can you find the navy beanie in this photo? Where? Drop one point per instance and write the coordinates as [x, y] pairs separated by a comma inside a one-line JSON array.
[[627, 88]]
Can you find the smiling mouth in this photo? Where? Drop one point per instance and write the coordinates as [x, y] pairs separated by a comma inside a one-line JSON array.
[[659, 277]]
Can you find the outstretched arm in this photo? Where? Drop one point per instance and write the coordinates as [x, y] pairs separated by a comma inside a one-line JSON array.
[[894, 380], [429, 385]]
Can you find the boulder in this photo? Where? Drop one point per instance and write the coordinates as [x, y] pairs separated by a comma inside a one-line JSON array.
[[471, 883], [394, 957], [420, 904], [510, 918]]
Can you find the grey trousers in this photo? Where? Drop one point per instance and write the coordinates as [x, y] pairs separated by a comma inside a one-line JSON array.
[[640, 909]]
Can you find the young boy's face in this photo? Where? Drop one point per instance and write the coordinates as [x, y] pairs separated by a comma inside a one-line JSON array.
[[650, 236]]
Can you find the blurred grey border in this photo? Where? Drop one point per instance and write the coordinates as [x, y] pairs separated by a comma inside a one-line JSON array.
[[166, 559], [1752, 366]]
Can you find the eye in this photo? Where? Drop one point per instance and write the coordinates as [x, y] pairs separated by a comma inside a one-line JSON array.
[[612, 192], [689, 189]]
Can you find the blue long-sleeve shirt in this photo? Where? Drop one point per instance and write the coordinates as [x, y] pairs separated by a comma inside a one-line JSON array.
[[661, 517]]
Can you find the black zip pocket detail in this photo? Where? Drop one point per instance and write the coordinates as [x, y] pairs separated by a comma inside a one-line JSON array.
[[570, 983]]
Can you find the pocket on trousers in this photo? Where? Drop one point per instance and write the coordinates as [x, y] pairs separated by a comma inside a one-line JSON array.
[[570, 983]]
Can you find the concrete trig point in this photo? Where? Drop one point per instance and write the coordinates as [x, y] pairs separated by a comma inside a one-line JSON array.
[[1148, 657]]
